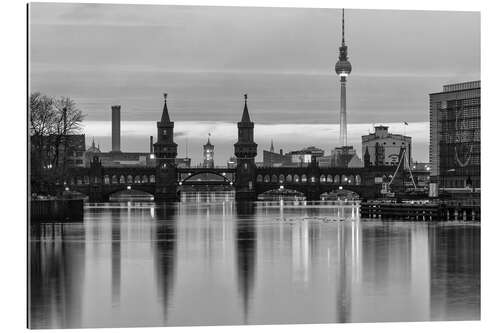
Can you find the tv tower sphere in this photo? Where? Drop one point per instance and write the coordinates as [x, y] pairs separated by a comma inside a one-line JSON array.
[[343, 66]]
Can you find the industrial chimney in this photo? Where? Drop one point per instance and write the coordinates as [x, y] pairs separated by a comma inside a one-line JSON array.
[[115, 128]]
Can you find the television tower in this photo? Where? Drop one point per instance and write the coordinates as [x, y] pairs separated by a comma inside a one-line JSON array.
[[343, 69]]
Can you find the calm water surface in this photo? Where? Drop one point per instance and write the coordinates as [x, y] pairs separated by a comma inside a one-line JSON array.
[[218, 262]]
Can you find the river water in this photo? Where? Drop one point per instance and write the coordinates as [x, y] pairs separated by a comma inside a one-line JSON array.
[[215, 262]]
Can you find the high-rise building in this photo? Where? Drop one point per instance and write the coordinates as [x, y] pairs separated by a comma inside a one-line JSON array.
[[455, 135], [343, 69], [384, 148], [208, 154], [115, 128]]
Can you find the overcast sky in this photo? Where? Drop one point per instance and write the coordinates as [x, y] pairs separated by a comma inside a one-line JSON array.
[[206, 58]]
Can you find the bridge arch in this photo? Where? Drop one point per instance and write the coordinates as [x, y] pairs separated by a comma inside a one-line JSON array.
[[203, 172], [143, 193]]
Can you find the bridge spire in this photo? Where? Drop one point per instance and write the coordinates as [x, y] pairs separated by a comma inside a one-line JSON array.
[[245, 118], [165, 118]]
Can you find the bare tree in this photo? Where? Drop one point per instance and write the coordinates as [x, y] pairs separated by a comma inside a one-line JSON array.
[[51, 121]]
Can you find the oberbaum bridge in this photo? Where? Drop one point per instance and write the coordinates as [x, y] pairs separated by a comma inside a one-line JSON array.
[[165, 180]]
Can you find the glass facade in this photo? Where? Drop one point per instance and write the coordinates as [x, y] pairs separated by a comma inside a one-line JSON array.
[[455, 136]]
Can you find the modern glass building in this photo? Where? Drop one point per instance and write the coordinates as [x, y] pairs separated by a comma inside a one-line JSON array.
[[455, 136]]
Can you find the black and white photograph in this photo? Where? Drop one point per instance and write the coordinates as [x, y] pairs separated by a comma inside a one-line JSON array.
[[193, 165]]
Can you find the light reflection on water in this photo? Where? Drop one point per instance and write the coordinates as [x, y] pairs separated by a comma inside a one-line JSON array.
[[218, 262]]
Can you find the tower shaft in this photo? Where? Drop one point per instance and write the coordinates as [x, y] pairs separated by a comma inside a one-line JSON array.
[[343, 113], [343, 69]]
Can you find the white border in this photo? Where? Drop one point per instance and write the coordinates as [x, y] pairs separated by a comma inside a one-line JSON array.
[[13, 169]]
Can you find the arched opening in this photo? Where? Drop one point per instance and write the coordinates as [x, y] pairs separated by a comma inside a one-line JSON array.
[[322, 179], [144, 179], [296, 178], [106, 179], [281, 194], [266, 179], [130, 179], [329, 179], [78, 180], [289, 179], [274, 179], [350, 180], [122, 179], [336, 179], [343, 179], [131, 194], [304, 178], [358, 180], [137, 179], [114, 180], [259, 178], [206, 187], [282, 178], [152, 178]]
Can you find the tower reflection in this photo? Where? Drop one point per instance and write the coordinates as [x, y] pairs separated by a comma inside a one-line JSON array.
[[246, 247], [116, 255], [164, 240]]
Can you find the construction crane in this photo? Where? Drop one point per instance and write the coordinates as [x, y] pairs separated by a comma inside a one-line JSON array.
[[403, 165]]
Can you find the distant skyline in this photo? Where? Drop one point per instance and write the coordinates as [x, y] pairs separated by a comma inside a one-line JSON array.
[[206, 58]]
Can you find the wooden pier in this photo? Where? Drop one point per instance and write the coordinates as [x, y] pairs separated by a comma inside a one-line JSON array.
[[56, 210], [420, 211]]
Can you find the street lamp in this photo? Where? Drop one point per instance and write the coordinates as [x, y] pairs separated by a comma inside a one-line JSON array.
[[128, 187]]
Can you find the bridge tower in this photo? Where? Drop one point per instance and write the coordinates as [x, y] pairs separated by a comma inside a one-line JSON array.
[[245, 151], [95, 183], [165, 150]]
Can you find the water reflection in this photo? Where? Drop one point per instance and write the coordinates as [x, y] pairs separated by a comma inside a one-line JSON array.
[[218, 262], [164, 240], [245, 240], [56, 269]]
